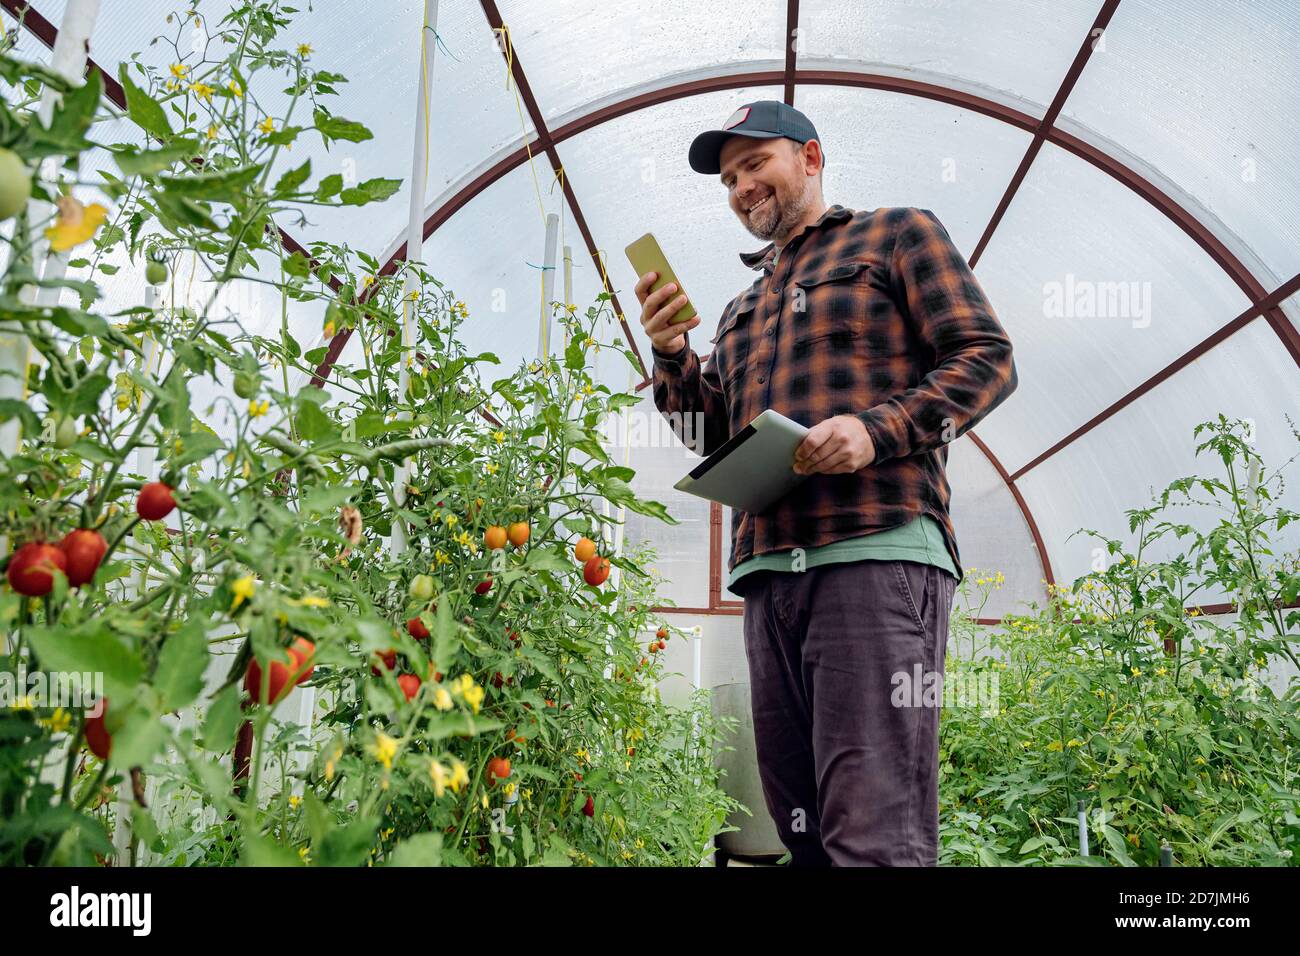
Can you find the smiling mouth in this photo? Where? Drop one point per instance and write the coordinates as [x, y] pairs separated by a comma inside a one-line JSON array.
[[759, 204]]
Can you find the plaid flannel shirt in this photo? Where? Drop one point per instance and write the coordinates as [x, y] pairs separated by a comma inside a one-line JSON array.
[[872, 314]]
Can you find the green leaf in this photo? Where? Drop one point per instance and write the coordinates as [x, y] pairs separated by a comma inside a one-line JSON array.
[[89, 648], [423, 849], [227, 185], [140, 739], [263, 851], [176, 211], [195, 447], [337, 127], [136, 162], [372, 190], [329, 186], [314, 425], [143, 109], [182, 661], [222, 721], [291, 180], [14, 408], [85, 397], [324, 499], [348, 845]]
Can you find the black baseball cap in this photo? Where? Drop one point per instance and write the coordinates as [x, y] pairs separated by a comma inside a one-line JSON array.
[[762, 119]]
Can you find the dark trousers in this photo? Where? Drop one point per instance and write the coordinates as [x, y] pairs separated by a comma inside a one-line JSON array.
[[846, 720]]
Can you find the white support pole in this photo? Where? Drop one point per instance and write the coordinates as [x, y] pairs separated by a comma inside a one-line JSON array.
[[414, 242], [68, 59], [568, 285], [546, 320]]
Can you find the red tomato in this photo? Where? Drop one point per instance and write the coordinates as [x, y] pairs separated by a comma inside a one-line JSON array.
[[498, 767], [415, 627], [410, 685], [84, 549], [306, 651], [662, 645], [596, 570], [155, 502], [483, 586], [589, 808], [662, 633], [32, 567], [281, 680], [98, 738], [388, 658]]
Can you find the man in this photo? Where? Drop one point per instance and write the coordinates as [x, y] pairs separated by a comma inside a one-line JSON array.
[[869, 328]]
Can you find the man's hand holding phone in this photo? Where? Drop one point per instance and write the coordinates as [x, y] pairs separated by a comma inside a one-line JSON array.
[[657, 308]]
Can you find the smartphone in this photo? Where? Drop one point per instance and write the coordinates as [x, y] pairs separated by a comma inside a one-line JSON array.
[[646, 256]]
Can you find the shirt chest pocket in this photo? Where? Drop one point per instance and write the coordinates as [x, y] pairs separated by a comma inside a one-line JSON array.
[[838, 302], [732, 341]]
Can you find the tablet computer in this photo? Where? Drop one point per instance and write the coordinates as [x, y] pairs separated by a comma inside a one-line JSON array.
[[754, 468]]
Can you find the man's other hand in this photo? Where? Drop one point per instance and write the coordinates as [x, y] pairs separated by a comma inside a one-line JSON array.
[[837, 446]]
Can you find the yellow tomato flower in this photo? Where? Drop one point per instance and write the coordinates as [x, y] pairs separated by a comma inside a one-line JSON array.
[[305, 853], [384, 749], [442, 699], [440, 558], [202, 91], [243, 590], [257, 409], [234, 88], [267, 126], [74, 224], [212, 131], [463, 539], [500, 437], [295, 802], [474, 697], [451, 520], [459, 776], [438, 774], [1056, 746], [304, 50], [491, 468], [57, 722], [179, 70]]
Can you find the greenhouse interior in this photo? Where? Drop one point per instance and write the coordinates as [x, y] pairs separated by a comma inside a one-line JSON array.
[[364, 504]]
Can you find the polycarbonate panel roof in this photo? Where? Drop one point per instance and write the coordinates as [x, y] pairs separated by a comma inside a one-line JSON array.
[[1167, 184]]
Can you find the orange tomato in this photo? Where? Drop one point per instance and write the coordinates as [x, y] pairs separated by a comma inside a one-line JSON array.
[[519, 533], [494, 538], [584, 549]]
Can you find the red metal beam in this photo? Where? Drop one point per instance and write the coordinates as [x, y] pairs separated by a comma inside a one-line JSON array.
[[1048, 121], [1020, 503], [547, 143], [1267, 306]]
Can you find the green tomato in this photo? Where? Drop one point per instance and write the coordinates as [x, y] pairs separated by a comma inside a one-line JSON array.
[[155, 273], [15, 184], [422, 587], [247, 384], [65, 435]]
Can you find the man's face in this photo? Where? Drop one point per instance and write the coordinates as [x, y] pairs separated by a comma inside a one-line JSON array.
[[768, 186]]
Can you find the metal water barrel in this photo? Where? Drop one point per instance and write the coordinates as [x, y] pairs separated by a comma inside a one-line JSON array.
[[756, 836]]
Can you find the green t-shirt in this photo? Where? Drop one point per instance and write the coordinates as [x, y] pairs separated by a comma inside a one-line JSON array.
[[920, 540]]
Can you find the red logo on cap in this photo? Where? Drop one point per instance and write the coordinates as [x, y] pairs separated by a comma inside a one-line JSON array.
[[737, 118]]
